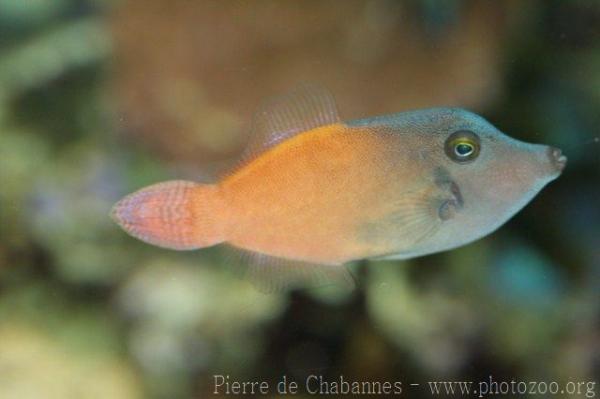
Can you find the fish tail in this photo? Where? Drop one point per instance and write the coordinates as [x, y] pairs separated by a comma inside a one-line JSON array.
[[174, 214]]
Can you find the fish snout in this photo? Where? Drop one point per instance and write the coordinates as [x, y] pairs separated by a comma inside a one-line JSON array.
[[557, 159]]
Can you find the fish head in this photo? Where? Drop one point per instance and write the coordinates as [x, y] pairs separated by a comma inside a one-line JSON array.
[[489, 175]]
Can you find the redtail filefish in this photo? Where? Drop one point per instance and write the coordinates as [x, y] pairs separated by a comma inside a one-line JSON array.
[[314, 192]]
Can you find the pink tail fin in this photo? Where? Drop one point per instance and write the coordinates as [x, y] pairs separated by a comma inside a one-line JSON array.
[[175, 214]]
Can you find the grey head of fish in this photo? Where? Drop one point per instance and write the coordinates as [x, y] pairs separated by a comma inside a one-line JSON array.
[[488, 175]]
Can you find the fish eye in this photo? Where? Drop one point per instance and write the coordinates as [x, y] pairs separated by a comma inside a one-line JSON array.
[[462, 146]]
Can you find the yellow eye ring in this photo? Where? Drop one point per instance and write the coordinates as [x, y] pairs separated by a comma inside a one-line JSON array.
[[462, 146]]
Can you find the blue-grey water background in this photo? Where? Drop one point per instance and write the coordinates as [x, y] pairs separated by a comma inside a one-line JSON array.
[[99, 98]]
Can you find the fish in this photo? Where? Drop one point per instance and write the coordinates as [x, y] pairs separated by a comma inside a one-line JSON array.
[[314, 193]]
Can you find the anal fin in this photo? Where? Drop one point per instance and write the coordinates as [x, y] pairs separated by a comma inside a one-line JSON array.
[[271, 274]]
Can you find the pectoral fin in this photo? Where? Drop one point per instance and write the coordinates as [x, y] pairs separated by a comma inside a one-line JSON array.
[[415, 217]]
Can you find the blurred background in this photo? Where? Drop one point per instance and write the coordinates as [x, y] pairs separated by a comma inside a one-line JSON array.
[[99, 98]]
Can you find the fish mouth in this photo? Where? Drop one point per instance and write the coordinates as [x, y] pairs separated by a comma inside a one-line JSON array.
[[557, 159], [549, 161]]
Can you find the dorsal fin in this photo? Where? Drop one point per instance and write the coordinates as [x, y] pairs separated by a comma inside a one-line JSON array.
[[304, 108]]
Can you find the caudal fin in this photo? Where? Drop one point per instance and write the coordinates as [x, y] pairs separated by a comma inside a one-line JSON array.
[[175, 214]]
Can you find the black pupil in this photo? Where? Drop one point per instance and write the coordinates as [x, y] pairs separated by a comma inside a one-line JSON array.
[[464, 149]]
